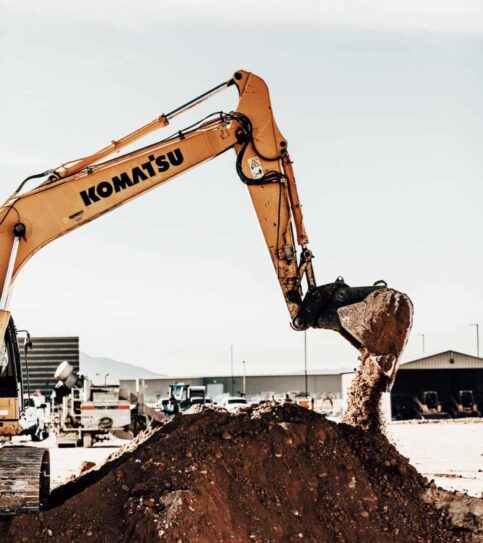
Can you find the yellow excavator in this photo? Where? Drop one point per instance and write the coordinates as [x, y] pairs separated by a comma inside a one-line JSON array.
[[375, 319]]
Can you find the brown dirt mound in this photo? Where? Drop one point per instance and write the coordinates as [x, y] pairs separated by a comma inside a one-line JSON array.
[[271, 474]]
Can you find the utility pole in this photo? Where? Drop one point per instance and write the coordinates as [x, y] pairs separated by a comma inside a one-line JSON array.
[[305, 364], [244, 380], [232, 375], [476, 325], [422, 337]]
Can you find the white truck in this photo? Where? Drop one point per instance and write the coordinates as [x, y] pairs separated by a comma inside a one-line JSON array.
[[84, 413]]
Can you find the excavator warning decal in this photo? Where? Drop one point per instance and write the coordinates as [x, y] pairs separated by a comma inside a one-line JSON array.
[[255, 167]]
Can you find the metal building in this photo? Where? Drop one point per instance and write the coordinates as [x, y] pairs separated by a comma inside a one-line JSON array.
[[255, 385], [44, 357], [446, 373]]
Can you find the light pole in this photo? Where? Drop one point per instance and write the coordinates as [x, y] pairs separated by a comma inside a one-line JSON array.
[[232, 376], [244, 380], [422, 337], [476, 325], [105, 378], [305, 364]]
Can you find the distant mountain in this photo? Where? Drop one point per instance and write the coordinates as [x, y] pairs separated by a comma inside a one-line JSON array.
[[90, 365]]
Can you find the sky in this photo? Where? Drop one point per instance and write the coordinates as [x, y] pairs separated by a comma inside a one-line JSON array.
[[380, 103]]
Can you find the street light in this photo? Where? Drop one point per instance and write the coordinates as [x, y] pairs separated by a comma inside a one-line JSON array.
[[244, 380], [476, 325], [232, 376], [422, 337]]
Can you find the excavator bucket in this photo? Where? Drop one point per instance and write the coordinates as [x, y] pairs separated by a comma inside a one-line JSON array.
[[379, 326], [374, 319]]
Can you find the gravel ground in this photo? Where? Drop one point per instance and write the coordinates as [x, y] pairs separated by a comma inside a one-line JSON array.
[[451, 453]]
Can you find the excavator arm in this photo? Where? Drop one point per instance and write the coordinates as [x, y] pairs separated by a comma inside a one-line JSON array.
[[82, 190]]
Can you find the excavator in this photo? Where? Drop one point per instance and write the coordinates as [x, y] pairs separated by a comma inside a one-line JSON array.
[[375, 319]]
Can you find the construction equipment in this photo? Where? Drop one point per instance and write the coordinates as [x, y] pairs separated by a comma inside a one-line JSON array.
[[428, 406], [181, 397], [463, 404], [82, 412], [375, 319]]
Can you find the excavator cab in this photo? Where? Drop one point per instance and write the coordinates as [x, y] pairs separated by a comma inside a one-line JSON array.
[[11, 384]]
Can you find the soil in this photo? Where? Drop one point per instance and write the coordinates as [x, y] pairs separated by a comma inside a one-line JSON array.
[[381, 323], [364, 397], [269, 474]]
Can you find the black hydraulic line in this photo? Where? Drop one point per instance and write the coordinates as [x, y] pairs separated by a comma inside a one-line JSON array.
[[35, 176], [197, 99]]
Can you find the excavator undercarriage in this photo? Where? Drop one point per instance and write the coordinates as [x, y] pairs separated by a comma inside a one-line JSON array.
[[24, 479]]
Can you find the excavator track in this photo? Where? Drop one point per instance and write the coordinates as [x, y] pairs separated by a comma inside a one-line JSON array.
[[24, 479]]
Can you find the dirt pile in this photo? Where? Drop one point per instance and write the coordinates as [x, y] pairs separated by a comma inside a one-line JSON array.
[[270, 474]]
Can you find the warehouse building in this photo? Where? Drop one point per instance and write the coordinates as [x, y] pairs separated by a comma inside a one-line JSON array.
[[255, 385], [446, 373], [44, 357]]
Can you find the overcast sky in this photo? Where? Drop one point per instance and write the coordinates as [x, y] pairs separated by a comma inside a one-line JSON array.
[[381, 105]]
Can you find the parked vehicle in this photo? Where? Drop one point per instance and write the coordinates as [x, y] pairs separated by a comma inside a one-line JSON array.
[[428, 406], [463, 404], [181, 397], [84, 413], [234, 403]]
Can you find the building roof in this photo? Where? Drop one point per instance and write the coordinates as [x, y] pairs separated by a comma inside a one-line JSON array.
[[444, 360]]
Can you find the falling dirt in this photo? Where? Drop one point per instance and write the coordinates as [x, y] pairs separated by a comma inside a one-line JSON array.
[[381, 323], [364, 396], [269, 474]]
